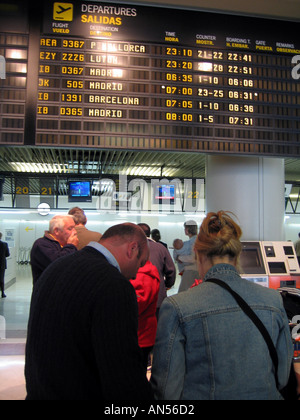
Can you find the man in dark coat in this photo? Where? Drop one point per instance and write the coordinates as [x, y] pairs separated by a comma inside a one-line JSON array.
[[4, 253], [59, 241], [82, 341]]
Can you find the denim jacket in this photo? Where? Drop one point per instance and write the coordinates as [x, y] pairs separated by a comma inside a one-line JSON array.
[[207, 348]]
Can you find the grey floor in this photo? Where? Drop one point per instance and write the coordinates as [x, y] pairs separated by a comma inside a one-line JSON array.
[[15, 308], [14, 312]]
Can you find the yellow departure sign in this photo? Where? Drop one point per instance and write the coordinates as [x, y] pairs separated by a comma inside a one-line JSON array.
[[63, 12]]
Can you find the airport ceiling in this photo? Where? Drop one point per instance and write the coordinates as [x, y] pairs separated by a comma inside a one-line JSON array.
[[93, 163], [101, 162]]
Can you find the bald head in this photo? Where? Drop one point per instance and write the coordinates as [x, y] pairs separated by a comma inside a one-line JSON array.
[[129, 245], [125, 232]]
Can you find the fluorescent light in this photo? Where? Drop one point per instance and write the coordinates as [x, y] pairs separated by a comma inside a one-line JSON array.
[[16, 212]]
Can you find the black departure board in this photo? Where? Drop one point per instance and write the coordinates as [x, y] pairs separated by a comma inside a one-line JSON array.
[[135, 77], [14, 41]]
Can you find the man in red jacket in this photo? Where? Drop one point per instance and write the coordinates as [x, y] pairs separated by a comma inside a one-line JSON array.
[[146, 287]]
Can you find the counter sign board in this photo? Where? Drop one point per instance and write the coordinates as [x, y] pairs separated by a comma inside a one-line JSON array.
[[140, 77], [163, 25]]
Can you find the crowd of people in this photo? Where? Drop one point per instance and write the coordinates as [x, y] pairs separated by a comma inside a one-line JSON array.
[[99, 308]]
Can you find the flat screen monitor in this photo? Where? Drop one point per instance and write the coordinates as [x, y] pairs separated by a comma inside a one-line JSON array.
[[80, 191], [251, 260], [289, 251], [164, 194]]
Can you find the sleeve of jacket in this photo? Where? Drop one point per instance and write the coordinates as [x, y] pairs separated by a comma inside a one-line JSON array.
[[115, 340], [48, 251], [168, 371], [143, 293], [146, 288], [285, 350], [169, 270], [7, 253]]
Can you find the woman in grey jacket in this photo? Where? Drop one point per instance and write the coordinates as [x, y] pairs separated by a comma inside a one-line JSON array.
[[206, 347]]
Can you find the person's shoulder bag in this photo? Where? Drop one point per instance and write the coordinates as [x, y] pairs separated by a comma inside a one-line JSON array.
[[257, 322]]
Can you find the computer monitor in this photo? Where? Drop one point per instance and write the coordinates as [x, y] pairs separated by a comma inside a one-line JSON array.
[[80, 191], [164, 194], [251, 260]]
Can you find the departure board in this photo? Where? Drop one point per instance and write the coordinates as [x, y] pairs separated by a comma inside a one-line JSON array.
[[13, 71], [136, 77]]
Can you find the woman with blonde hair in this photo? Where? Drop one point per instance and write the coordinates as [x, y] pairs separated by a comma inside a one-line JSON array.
[[207, 347]]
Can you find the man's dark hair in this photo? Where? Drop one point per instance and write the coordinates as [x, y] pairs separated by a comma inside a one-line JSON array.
[[191, 227], [146, 228], [155, 234]]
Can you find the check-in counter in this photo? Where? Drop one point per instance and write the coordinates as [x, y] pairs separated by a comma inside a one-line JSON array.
[[252, 264], [270, 264], [281, 264]]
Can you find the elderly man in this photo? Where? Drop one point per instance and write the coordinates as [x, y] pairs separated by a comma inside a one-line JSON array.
[[82, 339], [60, 240]]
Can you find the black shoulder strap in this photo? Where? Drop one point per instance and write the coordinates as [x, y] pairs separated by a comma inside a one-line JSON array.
[[254, 318]]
